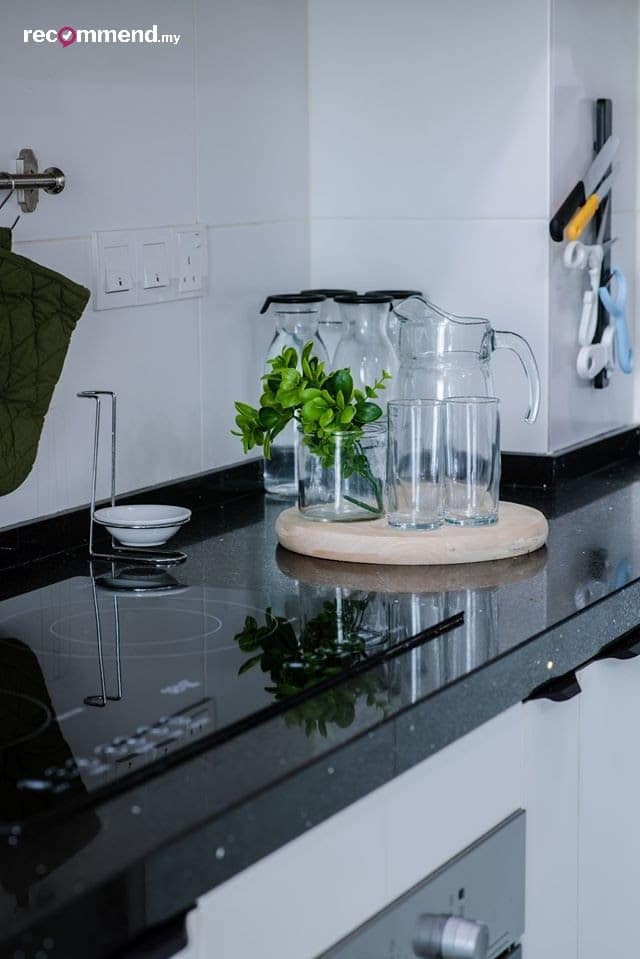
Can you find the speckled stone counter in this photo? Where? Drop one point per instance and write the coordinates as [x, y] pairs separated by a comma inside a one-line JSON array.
[[140, 857]]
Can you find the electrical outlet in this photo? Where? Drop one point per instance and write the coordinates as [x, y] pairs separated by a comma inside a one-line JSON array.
[[191, 260]]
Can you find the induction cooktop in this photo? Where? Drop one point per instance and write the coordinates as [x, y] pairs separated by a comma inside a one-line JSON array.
[[100, 683]]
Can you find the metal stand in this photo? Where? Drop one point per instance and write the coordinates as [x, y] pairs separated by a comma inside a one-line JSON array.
[[150, 556]]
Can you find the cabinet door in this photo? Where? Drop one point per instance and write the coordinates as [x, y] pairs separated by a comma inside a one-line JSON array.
[[551, 784], [300, 900], [609, 826]]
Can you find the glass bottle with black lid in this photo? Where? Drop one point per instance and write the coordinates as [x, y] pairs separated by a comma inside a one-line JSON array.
[[330, 317], [296, 317]]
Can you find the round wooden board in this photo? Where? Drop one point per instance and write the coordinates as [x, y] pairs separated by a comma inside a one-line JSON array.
[[519, 530]]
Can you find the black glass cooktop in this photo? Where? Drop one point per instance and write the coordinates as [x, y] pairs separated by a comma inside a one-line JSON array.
[[98, 684]]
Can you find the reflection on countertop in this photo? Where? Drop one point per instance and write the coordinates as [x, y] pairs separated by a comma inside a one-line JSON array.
[[524, 620]]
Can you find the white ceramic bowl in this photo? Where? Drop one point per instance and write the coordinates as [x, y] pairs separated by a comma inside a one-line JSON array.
[[146, 525]]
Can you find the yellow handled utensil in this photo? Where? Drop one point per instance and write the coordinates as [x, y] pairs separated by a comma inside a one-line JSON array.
[[580, 221]]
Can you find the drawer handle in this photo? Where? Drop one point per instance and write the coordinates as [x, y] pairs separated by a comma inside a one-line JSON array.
[[627, 647], [558, 690]]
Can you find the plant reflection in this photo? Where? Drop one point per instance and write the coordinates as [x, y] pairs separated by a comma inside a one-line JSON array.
[[327, 645]]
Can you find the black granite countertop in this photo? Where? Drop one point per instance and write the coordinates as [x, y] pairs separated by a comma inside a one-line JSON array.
[[153, 846]]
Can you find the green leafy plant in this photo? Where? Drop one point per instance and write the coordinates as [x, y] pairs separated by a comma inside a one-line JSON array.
[[328, 645], [324, 404]]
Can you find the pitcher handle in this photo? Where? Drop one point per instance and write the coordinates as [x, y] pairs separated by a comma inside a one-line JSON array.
[[503, 340]]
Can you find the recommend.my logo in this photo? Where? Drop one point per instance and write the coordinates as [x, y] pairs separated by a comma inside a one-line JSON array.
[[68, 35]]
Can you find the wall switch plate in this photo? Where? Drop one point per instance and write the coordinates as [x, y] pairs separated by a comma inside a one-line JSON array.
[[142, 267]]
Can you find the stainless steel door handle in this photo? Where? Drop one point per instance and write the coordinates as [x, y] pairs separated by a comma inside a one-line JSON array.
[[450, 937]]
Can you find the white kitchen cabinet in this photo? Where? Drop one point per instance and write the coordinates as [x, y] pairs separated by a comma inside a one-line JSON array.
[[551, 731], [609, 834], [297, 902]]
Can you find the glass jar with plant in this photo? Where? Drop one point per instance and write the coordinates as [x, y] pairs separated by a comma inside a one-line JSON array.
[[341, 443]]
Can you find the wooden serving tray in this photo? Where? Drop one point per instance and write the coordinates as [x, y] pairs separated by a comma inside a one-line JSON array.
[[519, 530]]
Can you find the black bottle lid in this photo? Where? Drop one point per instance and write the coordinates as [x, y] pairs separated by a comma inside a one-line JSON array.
[[395, 294], [292, 298], [364, 298], [331, 294]]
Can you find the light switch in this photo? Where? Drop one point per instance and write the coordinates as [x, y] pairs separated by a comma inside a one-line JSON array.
[[117, 281], [114, 270], [155, 265]]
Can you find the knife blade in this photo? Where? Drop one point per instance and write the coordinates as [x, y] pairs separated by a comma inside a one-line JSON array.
[[583, 188]]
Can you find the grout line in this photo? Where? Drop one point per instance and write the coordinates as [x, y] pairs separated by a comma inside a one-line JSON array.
[[546, 398], [381, 218], [53, 239], [310, 268], [251, 223], [197, 203]]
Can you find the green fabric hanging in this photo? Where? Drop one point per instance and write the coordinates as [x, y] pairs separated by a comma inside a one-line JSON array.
[[39, 310]]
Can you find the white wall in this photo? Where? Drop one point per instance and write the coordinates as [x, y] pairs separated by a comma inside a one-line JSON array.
[[442, 138], [429, 146], [593, 54], [213, 130]]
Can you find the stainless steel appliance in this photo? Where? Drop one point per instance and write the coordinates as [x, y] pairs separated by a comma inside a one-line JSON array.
[[470, 908]]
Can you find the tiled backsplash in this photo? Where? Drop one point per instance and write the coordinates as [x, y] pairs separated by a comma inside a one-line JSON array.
[[430, 143], [213, 130], [442, 137]]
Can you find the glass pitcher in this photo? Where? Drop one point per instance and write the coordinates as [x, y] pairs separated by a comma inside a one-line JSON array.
[[444, 355]]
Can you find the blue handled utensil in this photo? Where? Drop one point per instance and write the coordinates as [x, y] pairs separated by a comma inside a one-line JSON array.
[[616, 308]]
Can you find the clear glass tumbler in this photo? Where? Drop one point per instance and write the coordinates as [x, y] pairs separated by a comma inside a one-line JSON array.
[[415, 464], [346, 482], [472, 480]]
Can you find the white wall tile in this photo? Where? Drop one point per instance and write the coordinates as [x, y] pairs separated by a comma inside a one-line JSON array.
[[133, 127], [150, 357], [246, 264], [117, 118], [423, 109], [577, 410], [580, 31], [488, 268], [252, 110]]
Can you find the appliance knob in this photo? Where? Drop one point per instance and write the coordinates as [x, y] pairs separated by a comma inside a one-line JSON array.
[[450, 937]]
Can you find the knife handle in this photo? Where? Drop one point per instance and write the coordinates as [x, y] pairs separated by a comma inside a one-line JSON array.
[[562, 217], [583, 217]]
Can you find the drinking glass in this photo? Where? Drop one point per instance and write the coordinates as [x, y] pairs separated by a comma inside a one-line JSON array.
[[472, 470], [415, 464]]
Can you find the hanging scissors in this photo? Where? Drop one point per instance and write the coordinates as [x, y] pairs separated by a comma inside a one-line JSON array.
[[616, 305]]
